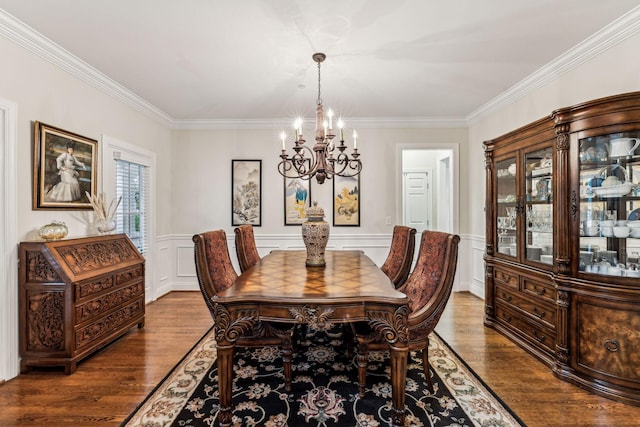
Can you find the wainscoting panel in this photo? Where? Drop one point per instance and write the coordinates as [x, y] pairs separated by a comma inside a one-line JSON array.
[[162, 277], [176, 257], [476, 283]]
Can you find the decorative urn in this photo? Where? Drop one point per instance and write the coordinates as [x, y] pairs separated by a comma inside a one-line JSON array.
[[315, 233]]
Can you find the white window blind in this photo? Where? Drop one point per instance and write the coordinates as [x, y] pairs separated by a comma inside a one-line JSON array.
[[132, 180]]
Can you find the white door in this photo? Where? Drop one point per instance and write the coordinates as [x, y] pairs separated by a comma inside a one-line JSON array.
[[417, 200]]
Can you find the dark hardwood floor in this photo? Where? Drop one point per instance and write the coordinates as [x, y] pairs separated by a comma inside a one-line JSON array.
[[109, 385]]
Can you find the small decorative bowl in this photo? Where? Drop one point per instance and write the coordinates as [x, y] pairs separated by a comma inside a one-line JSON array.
[[56, 230]]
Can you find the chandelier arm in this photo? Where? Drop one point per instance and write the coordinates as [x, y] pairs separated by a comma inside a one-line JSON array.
[[347, 167], [298, 165]]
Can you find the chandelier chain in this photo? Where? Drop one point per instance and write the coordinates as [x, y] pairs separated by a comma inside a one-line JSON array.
[[319, 100]]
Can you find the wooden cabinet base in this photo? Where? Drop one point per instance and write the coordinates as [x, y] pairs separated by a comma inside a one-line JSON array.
[[77, 296]]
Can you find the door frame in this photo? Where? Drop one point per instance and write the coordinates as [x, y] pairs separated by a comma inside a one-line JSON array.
[[9, 360], [454, 200]]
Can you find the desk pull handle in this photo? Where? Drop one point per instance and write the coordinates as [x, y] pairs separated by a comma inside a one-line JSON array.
[[539, 314], [612, 345], [540, 338]]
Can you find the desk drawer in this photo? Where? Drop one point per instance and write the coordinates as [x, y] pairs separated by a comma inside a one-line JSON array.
[[102, 304], [109, 325]]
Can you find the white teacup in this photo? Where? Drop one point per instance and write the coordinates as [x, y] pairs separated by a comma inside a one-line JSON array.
[[592, 230], [620, 147], [621, 231]]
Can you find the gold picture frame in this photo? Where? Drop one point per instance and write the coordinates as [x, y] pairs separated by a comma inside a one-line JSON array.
[[64, 168]]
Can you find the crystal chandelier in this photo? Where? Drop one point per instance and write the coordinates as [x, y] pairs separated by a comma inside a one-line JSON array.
[[304, 164]]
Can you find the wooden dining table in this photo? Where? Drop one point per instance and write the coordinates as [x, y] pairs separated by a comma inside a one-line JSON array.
[[281, 288]]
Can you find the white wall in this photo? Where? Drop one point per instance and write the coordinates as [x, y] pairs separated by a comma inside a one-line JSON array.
[[45, 93], [201, 189], [614, 71]]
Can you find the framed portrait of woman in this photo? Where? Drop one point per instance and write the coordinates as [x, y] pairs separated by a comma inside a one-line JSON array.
[[64, 168]]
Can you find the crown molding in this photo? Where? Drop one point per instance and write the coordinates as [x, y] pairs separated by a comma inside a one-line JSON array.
[[25, 36], [359, 122], [614, 33]]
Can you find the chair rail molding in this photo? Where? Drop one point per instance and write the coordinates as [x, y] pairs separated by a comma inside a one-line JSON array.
[[175, 257]]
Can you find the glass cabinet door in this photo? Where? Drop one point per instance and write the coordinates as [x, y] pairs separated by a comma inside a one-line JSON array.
[[610, 205], [506, 207], [538, 206]]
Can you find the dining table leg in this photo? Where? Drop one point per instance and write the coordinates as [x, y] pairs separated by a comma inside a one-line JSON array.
[[225, 382], [398, 356]]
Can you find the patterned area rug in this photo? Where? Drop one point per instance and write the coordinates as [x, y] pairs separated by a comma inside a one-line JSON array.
[[324, 390]]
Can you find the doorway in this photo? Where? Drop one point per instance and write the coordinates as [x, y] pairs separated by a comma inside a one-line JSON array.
[[429, 188]]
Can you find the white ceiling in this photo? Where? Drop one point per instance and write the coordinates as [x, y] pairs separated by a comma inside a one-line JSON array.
[[214, 60]]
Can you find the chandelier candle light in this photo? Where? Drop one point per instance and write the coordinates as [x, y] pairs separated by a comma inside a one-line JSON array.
[[304, 164]]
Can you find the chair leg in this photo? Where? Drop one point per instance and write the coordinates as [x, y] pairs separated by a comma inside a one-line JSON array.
[[362, 356], [426, 366], [348, 338], [287, 355]]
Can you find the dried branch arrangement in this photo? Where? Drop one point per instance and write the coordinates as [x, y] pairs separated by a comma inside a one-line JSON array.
[[99, 204]]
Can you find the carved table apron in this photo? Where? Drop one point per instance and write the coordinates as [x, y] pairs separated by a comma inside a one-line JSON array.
[[281, 288]]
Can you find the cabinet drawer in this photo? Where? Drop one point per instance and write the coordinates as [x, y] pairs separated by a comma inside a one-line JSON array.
[[104, 303], [506, 278], [538, 335], [609, 343], [539, 289], [537, 309]]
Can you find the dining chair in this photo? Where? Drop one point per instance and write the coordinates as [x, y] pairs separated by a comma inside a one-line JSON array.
[[398, 263], [428, 289], [216, 273], [246, 247]]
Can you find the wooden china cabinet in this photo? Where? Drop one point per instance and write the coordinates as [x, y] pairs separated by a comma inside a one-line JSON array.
[[563, 242], [76, 296]]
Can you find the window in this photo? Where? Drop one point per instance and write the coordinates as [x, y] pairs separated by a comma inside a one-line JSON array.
[[131, 217]]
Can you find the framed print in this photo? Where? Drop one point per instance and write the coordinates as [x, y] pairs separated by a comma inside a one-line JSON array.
[[346, 201], [246, 192], [64, 168], [297, 199]]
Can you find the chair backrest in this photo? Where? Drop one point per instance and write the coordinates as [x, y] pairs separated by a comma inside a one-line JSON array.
[[246, 247], [431, 281], [398, 263], [213, 264]]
